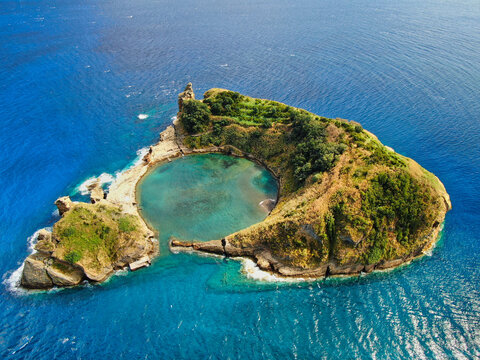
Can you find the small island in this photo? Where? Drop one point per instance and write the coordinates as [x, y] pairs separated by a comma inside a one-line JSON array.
[[346, 204]]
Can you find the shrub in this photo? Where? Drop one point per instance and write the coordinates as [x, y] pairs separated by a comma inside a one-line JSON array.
[[195, 116], [397, 200], [72, 256]]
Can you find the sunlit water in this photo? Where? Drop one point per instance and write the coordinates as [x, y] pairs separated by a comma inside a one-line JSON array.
[[75, 78]]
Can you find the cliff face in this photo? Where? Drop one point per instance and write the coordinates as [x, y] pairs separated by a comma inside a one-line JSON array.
[[347, 203], [88, 243], [187, 94]]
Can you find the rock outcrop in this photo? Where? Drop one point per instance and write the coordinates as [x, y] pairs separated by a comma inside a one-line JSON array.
[[43, 272], [96, 192], [64, 204], [187, 94]]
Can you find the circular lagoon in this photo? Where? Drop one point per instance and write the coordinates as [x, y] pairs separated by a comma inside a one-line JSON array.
[[205, 197]]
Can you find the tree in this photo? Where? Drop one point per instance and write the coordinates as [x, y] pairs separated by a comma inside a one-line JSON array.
[[195, 116]]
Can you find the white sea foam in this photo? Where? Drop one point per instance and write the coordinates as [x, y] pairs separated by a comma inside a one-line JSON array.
[[122, 272], [252, 271], [12, 280], [140, 155], [142, 116], [104, 178]]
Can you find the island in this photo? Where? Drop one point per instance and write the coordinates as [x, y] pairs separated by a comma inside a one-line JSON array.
[[347, 204]]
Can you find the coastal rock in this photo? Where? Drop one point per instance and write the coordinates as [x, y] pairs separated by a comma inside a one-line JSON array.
[[266, 261], [268, 204], [148, 156], [168, 134], [298, 272], [187, 94], [44, 242], [34, 275], [234, 251], [135, 252], [353, 269], [98, 275], [262, 262], [140, 263], [63, 204], [389, 264], [178, 243], [96, 192], [212, 246], [63, 274], [369, 268]]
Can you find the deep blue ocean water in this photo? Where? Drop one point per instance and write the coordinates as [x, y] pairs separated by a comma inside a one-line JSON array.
[[74, 76]]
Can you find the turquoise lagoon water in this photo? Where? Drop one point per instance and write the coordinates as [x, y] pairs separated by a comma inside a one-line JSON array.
[[205, 197], [74, 77]]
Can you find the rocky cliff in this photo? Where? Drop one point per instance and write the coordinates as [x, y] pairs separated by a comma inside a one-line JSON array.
[[347, 203], [89, 242]]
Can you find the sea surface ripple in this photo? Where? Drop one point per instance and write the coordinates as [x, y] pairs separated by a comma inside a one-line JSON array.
[[77, 78]]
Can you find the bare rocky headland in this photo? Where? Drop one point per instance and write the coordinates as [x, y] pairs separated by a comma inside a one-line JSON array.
[[124, 240]]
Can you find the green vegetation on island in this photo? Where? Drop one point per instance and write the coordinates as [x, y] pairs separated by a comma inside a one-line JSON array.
[[91, 234], [346, 202], [345, 198]]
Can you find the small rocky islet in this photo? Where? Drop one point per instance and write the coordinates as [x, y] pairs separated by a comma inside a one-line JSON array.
[[347, 204]]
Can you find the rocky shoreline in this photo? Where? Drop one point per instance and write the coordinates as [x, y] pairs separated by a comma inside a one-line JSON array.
[[265, 261], [44, 269], [47, 268]]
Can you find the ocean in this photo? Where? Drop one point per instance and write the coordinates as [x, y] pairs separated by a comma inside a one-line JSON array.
[[85, 85]]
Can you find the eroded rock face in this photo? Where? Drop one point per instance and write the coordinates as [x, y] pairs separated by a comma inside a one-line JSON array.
[[34, 274], [96, 193], [64, 204], [65, 275], [40, 271], [187, 94], [44, 242]]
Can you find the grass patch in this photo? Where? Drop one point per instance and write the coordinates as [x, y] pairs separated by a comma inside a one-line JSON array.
[[91, 233]]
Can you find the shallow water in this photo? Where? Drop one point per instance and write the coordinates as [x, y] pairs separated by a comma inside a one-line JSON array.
[[205, 197], [74, 78]]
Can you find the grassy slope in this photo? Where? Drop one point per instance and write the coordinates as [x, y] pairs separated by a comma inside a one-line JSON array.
[[344, 196], [92, 234]]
